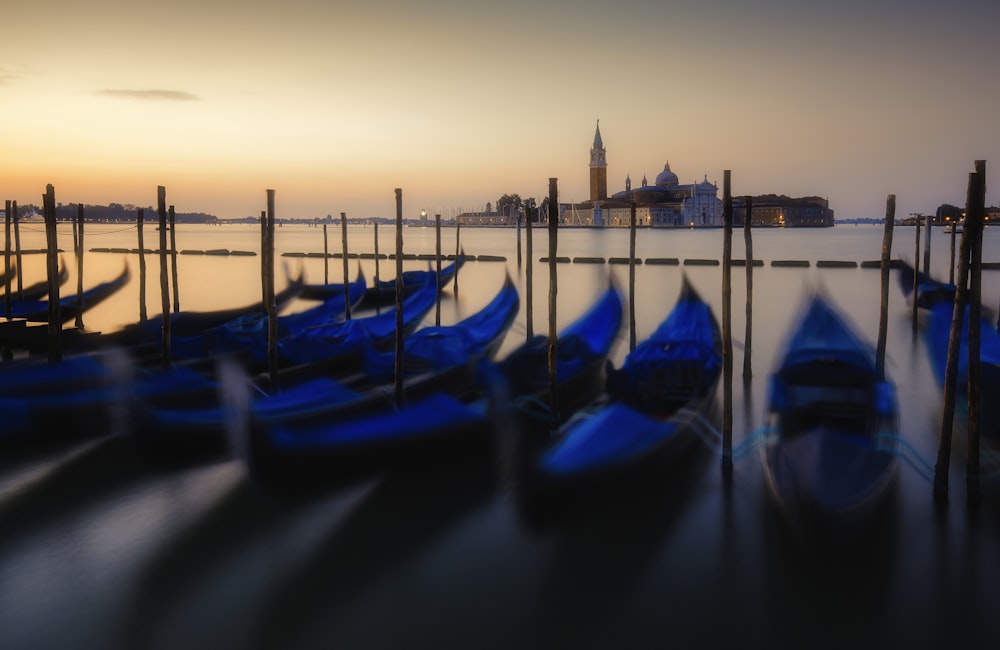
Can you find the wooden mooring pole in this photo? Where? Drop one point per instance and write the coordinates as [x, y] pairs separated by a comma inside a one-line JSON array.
[[748, 243], [326, 257], [631, 277], [17, 251], [6, 263], [458, 253], [951, 265], [398, 366], [347, 272], [52, 273], [890, 219], [974, 226], [378, 286], [437, 267], [941, 467], [79, 266], [927, 243], [173, 257], [142, 265], [519, 239], [553, 349], [161, 209], [727, 326], [263, 260], [916, 266], [272, 309], [528, 280]]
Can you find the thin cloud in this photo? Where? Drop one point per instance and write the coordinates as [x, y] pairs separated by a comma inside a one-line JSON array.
[[151, 94], [7, 75]]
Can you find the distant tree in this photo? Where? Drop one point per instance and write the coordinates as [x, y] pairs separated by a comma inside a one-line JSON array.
[[946, 212], [509, 204]]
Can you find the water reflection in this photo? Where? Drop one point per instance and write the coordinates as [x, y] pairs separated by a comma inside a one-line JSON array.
[[99, 551]]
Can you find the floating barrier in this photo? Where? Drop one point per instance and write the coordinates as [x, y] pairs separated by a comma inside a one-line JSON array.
[[694, 261], [791, 263], [623, 260], [744, 262], [588, 260], [490, 258], [559, 260], [663, 261], [836, 264]]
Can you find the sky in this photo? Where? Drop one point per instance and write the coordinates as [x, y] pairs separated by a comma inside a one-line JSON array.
[[334, 104]]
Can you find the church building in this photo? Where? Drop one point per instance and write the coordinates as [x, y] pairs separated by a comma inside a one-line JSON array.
[[666, 203]]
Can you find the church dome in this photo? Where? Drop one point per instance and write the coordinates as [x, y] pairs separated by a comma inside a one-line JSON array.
[[666, 178]]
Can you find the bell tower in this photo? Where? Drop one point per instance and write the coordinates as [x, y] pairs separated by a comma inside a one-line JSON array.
[[598, 168]]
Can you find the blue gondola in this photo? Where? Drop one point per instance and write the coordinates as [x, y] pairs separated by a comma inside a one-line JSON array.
[[831, 448], [646, 419], [384, 291], [438, 419], [442, 356]]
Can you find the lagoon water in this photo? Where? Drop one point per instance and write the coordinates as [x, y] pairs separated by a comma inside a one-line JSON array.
[[99, 551]]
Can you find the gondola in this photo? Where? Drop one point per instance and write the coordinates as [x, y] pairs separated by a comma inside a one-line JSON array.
[[831, 447], [439, 418], [383, 292], [936, 298], [37, 290], [928, 290], [37, 311], [440, 356], [194, 323], [646, 419]]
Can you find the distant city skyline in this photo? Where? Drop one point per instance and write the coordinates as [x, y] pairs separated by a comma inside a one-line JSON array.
[[335, 104]]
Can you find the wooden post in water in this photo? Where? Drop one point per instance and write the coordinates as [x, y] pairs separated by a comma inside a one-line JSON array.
[[142, 266], [398, 374], [974, 227], [326, 257], [951, 364], [927, 243], [347, 271], [76, 240], [17, 251], [263, 260], [79, 266], [748, 242], [6, 264], [272, 309], [727, 325], [528, 279], [631, 277], [951, 265], [553, 356], [161, 209], [52, 272], [458, 253], [890, 220], [916, 267], [173, 257], [378, 287], [519, 238], [437, 277]]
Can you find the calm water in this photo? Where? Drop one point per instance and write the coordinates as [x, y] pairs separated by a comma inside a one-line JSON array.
[[99, 551]]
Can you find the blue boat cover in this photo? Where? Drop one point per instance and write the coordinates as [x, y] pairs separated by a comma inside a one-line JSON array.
[[824, 335], [334, 339], [435, 348], [680, 359], [613, 434]]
